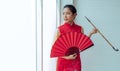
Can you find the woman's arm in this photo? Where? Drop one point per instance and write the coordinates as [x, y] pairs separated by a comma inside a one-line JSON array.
[[70, 57], [56, 35], [82, 30], [94, 31]]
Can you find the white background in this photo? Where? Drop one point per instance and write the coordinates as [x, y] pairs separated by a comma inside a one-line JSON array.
[[20, 21], [17, 35]]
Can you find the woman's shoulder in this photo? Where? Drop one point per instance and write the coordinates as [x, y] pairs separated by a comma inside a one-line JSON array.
[[77, 25], [61, 26], [80, 28]]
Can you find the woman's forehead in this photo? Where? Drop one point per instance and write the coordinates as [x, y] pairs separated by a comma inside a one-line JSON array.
[[66, 10]]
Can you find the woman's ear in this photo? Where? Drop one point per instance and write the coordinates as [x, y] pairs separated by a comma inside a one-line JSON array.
[[75, 15]]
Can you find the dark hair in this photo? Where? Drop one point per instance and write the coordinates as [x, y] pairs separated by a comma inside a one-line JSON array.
[[72, 8]]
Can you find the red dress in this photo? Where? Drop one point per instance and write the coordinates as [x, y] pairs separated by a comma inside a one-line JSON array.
[[64, 64]]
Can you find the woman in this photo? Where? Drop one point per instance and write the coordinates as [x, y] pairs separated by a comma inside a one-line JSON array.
[[71, 62]]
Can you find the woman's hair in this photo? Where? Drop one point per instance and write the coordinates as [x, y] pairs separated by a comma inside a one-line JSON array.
[[72, 8]]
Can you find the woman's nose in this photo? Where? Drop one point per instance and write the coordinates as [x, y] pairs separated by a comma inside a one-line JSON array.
[[65, 16]]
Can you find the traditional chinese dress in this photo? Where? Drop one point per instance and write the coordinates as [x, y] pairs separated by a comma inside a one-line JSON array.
[[65, 64]]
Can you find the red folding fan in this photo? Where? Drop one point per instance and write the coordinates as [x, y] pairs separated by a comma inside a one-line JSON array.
[[70, 43]]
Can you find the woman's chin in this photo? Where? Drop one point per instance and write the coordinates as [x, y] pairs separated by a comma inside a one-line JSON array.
[[69, 22]]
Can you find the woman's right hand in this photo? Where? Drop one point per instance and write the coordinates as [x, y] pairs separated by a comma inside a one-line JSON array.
[[70, 57]]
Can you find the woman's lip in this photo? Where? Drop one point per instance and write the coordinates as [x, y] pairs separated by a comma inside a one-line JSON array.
[[65, 19]]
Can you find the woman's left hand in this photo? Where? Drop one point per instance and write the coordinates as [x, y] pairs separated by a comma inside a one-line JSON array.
[[94, 31]]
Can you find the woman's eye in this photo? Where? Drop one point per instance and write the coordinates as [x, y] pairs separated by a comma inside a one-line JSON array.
[[68, 13]]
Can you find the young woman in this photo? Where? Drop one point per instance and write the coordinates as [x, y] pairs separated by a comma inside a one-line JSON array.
[[71, 62]]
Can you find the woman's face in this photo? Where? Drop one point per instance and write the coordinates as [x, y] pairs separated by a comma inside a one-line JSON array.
[[68, 16]]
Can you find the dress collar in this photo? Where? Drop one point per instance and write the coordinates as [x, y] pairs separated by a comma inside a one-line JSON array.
[[69, 25]]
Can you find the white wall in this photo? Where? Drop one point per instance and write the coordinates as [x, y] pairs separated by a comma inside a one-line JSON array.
[[39, 35], [105, 15], [17, 35], [49, 28]]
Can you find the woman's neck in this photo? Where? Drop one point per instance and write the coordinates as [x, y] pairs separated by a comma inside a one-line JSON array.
[[71, 23]]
